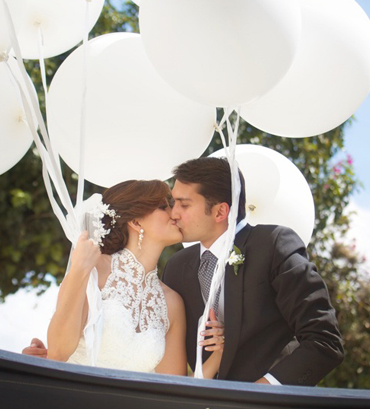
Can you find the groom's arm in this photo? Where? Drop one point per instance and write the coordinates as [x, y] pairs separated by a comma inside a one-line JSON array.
[[303, 300]]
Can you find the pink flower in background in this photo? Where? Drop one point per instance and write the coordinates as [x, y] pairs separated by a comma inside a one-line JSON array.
[[337, 169], [349, 159]]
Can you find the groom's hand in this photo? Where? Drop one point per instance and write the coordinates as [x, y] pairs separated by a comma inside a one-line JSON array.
[[216, 334], [37, 349]]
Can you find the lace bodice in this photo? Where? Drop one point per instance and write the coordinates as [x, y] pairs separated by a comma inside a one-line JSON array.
[[135, 319]]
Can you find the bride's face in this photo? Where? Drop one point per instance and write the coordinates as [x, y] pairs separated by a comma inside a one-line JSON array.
[[160, 227]]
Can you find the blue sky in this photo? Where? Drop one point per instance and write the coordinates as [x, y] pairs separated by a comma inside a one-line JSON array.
[[357, 141]]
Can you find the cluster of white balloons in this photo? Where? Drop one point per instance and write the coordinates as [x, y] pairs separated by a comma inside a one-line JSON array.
[[137, 126], [296, 68]]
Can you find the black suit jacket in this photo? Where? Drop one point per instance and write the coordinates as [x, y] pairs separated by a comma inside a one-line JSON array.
[[276, 299]]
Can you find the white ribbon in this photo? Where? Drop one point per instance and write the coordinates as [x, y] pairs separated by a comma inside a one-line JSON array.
[[54, 171], [94, 325], [40, 44], [219, 274], [47, 169]]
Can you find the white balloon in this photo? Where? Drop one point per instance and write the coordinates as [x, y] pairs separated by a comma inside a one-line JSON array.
[[276, 188], [329, 78], [61, 22], [225, 52], [15, 134], [137, 126], [17, 11]]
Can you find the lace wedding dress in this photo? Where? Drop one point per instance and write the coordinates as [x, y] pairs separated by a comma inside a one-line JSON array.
[[135, 320]]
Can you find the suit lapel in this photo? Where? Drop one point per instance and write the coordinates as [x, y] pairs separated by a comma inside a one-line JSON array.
[[233, 306], [196, 304]]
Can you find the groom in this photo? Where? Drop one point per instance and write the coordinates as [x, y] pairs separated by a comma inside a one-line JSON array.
[[280, 327]]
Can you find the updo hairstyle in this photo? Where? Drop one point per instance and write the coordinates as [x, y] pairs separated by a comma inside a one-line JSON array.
[[132, 199]]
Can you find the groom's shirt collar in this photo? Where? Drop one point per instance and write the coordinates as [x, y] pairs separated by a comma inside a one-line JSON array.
[[216, 248]]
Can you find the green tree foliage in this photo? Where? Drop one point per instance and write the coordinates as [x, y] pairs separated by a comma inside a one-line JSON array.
[[33, 243]]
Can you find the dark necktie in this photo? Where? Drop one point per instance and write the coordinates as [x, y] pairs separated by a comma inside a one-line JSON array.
[[207, 267]]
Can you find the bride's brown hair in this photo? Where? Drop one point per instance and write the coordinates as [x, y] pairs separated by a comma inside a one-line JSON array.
[[131, 200]]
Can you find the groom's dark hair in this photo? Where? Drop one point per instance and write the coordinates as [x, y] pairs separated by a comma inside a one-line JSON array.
[[213, 176]]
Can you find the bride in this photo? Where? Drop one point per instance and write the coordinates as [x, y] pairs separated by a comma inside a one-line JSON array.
[[143, 320]]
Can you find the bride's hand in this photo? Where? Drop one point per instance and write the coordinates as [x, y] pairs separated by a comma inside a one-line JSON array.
[[86, 254], [217, 340]]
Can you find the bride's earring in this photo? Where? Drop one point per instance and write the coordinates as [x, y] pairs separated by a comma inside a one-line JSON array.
[[141, 236]]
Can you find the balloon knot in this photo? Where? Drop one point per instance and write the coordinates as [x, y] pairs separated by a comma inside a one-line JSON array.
[[4, 57]]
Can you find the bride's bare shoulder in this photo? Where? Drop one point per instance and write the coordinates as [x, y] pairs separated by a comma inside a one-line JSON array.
[[171, 295], [175, 304]]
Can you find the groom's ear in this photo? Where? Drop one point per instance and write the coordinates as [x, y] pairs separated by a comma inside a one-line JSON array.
[[221, 211], [134, 224]]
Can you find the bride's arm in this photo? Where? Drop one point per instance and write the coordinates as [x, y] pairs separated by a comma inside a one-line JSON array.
[[174, 361], [66, 326]]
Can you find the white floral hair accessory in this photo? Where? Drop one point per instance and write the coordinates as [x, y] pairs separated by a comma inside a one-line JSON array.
[[98, 212]]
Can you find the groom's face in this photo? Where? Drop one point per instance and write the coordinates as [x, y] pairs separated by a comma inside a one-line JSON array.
[[189, 212]]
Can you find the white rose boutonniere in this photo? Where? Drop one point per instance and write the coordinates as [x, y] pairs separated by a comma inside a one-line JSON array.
[[236, 259]]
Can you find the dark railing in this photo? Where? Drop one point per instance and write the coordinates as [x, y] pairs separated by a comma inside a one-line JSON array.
[[27, 382]]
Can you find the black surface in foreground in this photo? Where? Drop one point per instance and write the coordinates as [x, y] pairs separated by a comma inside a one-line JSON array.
[[28, 382]]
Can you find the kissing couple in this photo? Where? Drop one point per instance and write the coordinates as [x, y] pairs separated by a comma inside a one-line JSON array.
[[272, 321]]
